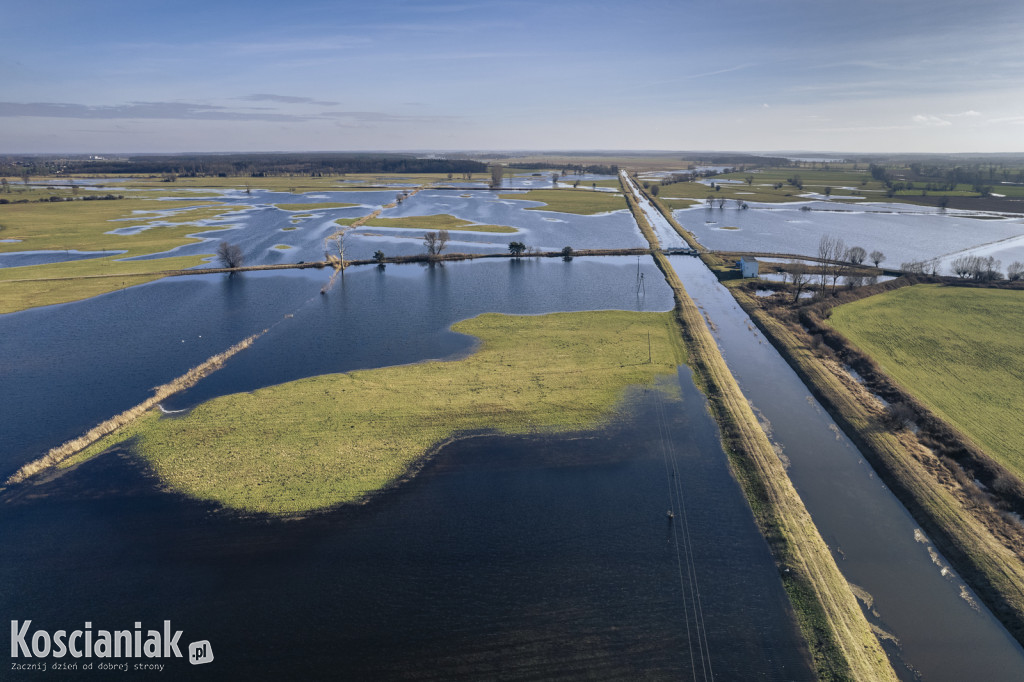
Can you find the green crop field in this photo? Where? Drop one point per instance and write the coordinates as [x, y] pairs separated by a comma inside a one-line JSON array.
[[958, 350], [581, 201], [335, 438]]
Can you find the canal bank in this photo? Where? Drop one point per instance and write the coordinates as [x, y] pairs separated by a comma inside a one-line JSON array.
[[931, 623], [841, 641]]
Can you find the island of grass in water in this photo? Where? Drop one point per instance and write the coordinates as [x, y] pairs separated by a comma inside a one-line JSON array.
[[337, 438]]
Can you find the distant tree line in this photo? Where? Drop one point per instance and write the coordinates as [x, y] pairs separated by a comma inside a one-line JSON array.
[[743, 160], [573, 169], [252, 165]]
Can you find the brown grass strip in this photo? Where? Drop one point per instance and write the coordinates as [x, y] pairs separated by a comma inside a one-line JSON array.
[[60, 453]]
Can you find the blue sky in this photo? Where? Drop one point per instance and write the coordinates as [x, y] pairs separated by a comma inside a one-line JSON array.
[[759, 75]]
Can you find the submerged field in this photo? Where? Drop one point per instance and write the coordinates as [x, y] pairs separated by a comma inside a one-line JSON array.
[[958, 350], [335, 438], [582, 201], [90, 226]]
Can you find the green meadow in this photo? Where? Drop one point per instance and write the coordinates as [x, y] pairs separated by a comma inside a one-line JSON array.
[[960, 351], [85, 226]]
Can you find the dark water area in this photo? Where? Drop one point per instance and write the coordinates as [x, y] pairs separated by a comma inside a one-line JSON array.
[[65, 368], [942, 629], [506, 557]]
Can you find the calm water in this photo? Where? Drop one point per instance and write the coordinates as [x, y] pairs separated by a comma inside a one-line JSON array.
[[942, 635], [507, 556], [65, 368], [901, 231]]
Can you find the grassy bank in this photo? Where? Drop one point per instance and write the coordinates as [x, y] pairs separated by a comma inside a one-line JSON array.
[[838, 636], [579, 201], [331, 439], [38, 285], [977, 538], [959, 351], [84, 225]]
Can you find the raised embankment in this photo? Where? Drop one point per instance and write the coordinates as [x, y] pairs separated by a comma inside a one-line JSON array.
[[982, 544], [836, 631], [60, 453]]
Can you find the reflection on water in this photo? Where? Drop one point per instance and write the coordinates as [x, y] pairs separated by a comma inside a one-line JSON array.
[[66, 368], [872, 536], [542, 557]]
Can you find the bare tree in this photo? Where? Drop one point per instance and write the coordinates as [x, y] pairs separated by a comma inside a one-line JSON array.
[[334, 250], [430, 241], [497, 173], [914, 267], [831, 251], [856, 255], [962, 266], [230, 255], [1015, 271], [799, 276], [877, 257], [442, 240]]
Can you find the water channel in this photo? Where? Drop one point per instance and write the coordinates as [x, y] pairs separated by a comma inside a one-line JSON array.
[[943, 633]]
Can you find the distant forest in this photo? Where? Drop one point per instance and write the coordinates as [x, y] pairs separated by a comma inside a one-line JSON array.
[[250, 165]]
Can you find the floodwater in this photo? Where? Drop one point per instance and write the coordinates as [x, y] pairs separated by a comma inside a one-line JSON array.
[[530, 556], [111, 350], [902, 232], [943, 633]]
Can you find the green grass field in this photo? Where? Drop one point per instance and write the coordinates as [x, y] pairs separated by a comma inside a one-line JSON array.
[[335, 438], [84, 226], [582, 201], [960, 351]]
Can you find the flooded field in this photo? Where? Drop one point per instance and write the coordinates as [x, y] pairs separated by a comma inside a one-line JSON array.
[[466, 566], [902, 232]]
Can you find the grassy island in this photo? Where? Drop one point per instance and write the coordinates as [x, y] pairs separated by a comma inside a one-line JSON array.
[[337, 438]]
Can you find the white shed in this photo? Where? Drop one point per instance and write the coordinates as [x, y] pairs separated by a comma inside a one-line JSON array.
[[749, 267]]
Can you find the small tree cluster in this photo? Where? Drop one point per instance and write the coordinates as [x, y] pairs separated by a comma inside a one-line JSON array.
[[497, 173], [978, 268], [516, 248]]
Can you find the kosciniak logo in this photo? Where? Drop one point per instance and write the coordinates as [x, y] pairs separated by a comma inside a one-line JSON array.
[[40, 646]]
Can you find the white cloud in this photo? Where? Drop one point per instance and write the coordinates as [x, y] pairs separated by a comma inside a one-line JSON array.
[[931, 121]]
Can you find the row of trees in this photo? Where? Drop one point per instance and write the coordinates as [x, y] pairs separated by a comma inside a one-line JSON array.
[[985, 269], [840, 260]]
